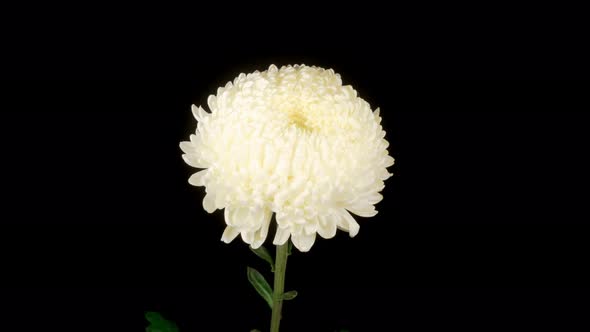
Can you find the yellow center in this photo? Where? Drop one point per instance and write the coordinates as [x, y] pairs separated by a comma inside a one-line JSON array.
[[297, 118]]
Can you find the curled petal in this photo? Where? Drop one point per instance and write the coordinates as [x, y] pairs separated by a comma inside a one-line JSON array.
[[348, 224], [281, 237], [327, 226], [187, 147], [197, 178], [199, 113], [366, 211], [212, 102], [209, 203], [229, 234], [193, 160], [241, 216], [251, 223], [388, 161], [303, 241], [248, 236], [262, 232]]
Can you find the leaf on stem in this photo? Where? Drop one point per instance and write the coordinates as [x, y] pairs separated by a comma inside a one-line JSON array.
[[159, 323], [264, 254], [289, 247], [289, 295], [260, 284]]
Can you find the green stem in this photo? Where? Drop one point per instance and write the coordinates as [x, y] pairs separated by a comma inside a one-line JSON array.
[[279, 286]]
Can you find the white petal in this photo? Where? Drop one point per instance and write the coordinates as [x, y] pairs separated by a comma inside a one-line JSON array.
[[197, 178], [196, 140], [193, 160], [228, 214], [260, 235], [348, 223], [281, 236], [187, 147], [299, 221], [195, 111], [310, 227], [388, 161], [366, 210], [248, 236], [327, 226], [303, 241], [209, 203], [241, 217], [199, 113], [220, 198], [212, 102], [283, 220], [375, 198], [229, 234]]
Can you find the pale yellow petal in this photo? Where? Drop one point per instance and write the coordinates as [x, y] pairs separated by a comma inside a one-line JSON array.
[[262, 232], [187, 147], [197, 178], [209, 203], [348, 224], [281, 237], [327, 226], [229, 234], [303, 241]]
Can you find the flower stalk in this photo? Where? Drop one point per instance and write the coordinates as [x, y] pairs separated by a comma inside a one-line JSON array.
[[279, 286]]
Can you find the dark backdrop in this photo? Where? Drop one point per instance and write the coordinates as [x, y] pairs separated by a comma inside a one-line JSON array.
[[483, 226]]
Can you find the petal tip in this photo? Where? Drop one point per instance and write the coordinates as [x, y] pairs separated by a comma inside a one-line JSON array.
[[229, 234]]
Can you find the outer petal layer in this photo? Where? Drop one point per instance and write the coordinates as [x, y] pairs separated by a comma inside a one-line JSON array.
[[293, 141]]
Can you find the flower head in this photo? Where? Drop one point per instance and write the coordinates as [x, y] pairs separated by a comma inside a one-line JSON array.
[[291, 141]]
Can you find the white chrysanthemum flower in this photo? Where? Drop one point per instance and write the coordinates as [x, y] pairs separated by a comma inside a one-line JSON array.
[[293, 141]]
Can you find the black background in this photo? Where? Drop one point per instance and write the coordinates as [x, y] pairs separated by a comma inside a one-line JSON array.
[[483, 226]]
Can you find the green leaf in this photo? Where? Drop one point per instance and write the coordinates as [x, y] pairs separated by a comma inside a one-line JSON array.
[[289, 247], [260, 284], [159, 323], [264, 254], [289, 295]]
